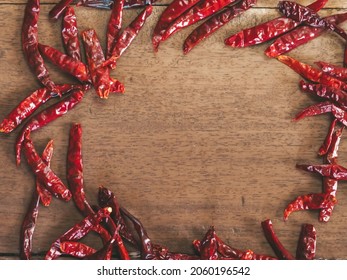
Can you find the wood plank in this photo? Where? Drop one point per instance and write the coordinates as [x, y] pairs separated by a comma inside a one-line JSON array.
[[197, 140]]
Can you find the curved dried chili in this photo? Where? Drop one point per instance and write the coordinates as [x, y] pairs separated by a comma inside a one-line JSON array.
[[30, 45], [48, 115]]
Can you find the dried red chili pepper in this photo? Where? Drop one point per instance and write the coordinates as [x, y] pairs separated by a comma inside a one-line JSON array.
[[302, 14], [208, 245], [45, 195], [215, 22], [146, 246], [74, 168], [59, 8], [66, 63], [247, 255], [114, 25], [163, 253], [325, 201], [75, 179], [69, 33], [306, 249], [171, 13], [330, 188], [48, 115], [333, 70], [102, 82], [28, 227], [227, 251], [321, 108], [44, 173], [299, 36], [312, 201], [333, 171], [281, 252], [212, 247], [105, 253], [315, 109], [76, 249], [30, 45], [268, 30], [310, 73], [107, 198], [200, 11], [333, 94], [328, 139], [126, 37], [77, 232], [250, 255], [29, 105], [330, 185]]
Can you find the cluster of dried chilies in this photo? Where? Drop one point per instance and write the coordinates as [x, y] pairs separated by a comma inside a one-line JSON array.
[[117, 227], [299, 25]]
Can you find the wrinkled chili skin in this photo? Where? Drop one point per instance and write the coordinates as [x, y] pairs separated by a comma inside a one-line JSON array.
[[334, 94], [48, 115], [299, 36], [215, 22], [146, 247], [329, 188], [75, 179], [281, 252], [43, 173], [197, 13], [44, 194], [127, 36], [66, 63], [29, 105], [333, 70], [315, 109], [76, 249], [300, 13], [77, 232], [324, 149], [114, 25], [74, 167], [268, 30], [102, 82], [30, 45], [333, 171], [28, 227], [313, 201], [163, 253], [329, 184], [310, 73], [303, 14], [321, 108], [57, 11], [107, 198], [69, 34], [105, 253], [227, 251], [208, 246], [306, 249], [171, 13]]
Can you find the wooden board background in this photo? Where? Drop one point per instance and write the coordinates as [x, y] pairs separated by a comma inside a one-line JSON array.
[[197, 140]]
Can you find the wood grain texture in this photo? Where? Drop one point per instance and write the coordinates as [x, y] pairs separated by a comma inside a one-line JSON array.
[[197, 140]]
